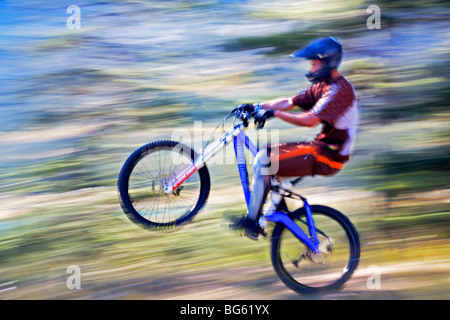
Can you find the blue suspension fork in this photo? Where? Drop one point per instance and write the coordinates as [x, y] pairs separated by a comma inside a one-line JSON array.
[[281, 217], [310, 222]]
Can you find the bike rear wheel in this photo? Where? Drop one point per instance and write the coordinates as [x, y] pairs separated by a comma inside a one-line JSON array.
[[141, 183], [307, 272]]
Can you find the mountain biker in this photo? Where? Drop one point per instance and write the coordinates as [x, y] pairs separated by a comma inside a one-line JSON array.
[[331, 101]]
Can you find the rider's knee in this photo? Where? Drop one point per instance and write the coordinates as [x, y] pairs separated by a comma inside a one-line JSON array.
[[263, 163]]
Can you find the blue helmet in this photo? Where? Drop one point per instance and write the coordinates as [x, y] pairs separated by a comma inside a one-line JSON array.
[[329, 50]]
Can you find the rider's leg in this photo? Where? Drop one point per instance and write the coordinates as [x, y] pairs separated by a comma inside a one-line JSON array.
[[260, 184], [259, 191], [285, 160]]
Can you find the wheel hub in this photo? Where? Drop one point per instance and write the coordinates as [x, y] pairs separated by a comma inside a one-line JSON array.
[[159, 186], [320, 257]]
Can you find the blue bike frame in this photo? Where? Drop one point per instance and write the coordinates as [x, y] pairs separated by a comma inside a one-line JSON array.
[[241, 141]]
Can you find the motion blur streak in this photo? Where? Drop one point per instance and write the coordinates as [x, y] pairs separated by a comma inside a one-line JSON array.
[[75, 102]]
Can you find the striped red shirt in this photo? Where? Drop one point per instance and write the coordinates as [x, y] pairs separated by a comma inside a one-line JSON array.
[[335, 103]]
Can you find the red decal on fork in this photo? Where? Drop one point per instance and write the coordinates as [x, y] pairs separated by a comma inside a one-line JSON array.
[[184, 177]]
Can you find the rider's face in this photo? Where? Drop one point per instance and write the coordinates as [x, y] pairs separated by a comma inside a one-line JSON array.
[[314, 65]]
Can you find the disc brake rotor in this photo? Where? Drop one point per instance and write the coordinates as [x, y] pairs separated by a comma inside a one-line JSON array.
[[320, 257]]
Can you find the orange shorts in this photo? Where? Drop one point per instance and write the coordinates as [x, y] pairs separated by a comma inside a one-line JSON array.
[[303, 159]]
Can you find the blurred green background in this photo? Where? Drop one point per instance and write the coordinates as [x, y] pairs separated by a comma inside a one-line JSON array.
[[75, 103]]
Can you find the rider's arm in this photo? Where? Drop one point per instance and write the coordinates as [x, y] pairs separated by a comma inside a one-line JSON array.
[[307, 98], [304, 119], [278, 104], [304, 100]]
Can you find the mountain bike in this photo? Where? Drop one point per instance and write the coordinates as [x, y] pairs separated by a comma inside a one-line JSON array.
[[165, 183]]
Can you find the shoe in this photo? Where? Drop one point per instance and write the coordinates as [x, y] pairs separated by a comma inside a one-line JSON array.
[[251, 227]]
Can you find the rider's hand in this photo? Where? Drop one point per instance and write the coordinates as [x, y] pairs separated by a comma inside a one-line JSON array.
[[264, 114], [261, 116], [244, 107]]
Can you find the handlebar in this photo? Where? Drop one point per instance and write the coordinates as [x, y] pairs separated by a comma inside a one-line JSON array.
[[248, 111]]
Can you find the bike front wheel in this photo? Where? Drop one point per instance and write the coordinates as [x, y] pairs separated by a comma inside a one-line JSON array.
[[308, 272], [141, 186]]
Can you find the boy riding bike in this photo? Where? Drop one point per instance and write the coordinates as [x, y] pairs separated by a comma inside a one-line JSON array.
[[330, 100]]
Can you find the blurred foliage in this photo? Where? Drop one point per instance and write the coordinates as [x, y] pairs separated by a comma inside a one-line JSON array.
[[400, 172], [288, 42], [405, 4]]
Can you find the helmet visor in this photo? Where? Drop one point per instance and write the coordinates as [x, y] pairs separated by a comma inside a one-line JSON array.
[[319, 49]]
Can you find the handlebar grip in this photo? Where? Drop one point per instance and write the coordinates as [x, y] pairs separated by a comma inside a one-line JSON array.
[[261, 117], [244, 108], [259, 123]]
